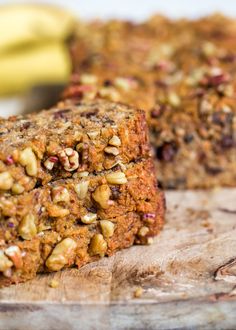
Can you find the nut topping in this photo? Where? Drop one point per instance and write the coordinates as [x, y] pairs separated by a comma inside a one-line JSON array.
[[56, 211], [69, 159], [173, 99], [50, 162], [60, 194], [109, 93], [6, 181], [14, 253], [89, 218], [107, 227], [88, 79], [143, 231], [112, 150], [5, 263], [61, 255], [116, 178], [102, 195], [81, 189], [82, 174], [115, 141], [17, 188], [28, 159], [98, 245], [124, 84], [93, 134], [27, 228]]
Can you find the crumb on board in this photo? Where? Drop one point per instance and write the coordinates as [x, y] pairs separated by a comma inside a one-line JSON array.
[[138, 292], [53, 284], [150, 241]]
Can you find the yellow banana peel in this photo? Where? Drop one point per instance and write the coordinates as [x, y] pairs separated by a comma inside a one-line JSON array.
[[32, 46], [27, 24], [44, 64]]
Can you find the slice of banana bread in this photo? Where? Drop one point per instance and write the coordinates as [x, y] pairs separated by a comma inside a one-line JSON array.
[[75, 221], [183, 74], [72, 202], [22, 260], [71, 138]]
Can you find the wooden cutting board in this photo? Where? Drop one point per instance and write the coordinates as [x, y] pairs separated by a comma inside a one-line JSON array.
[[184, 285]]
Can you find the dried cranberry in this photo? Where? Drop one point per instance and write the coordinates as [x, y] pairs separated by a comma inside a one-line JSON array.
[[92, 209], [221, 118], [61, 114], [167, 151], [229, 58], [201, 156], [158, 111], [215, 80], [10, 160], [89, 114], [188, 138], [213, 170], [115, 192], [53, 159], [107, 83], [161, 84], [108, 120], [199, 92], [149, 216], [26, 125], [227, 141]]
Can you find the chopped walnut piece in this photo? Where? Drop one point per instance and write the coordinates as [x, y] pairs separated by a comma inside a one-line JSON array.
[[109, 93], [93, 134], [69, 159], [81, 189], [57, 211], [98, 245], [112, 150], [28, 159], [101, 195], [6, 181], [50, 162], [116, 178], [143, 231], [5, 262], [89, 218], [17, 188], [88, 79], [14, 253], [107, 227], [60, 194], [27, 228], [61, 254], [115, 141]]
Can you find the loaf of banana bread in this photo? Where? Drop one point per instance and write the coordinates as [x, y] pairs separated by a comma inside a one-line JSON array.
[[75, 221], [60, 143], [183, 74]]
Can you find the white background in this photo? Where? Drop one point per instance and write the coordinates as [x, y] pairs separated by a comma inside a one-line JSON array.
[[141, 9]]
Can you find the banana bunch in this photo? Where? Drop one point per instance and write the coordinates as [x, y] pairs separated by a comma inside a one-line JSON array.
[[33, 47]]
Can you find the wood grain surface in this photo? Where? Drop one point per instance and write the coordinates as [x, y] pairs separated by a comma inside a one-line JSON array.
[[188, 278]]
